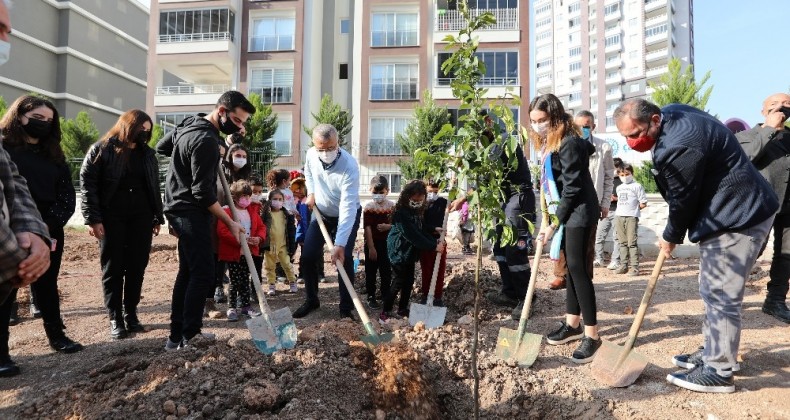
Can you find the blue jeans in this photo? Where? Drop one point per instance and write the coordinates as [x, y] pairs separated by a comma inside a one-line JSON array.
[[195, 273], [313, 252]]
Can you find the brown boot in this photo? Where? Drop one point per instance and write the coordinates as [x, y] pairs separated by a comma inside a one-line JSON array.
[[557, 284]]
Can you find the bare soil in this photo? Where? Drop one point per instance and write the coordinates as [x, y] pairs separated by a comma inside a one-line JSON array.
[[425, 374]]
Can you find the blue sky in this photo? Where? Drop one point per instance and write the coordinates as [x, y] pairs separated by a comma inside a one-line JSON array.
[[745, 46]]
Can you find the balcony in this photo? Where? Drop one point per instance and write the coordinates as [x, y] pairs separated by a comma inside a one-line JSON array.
[[543, 82], [651, 5], [384, 147], [614, 46], [573, 103], [188, 94], [194, 43], [655, 71], [617, 78], [453, 21], [613, 16], [575, 72], [274, 94], [657, 55], [614, 95], [271, 43], [613, 64], [485, 81]]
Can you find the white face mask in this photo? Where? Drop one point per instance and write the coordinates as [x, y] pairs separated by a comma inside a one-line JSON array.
[[415, 204], [379, 198], [257, 198], [277, 204], [5, 51], [239, 162], [432, 196], [627, 179], [540, 128], [327, 156]]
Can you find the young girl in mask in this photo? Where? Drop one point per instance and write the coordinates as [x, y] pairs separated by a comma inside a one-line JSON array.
[[280, 244], [434, 219], [376, 218], [230, 249], [631, 199], [407, 238]]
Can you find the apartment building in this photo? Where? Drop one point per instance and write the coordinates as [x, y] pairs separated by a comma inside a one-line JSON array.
[[374, 57], [593, 54], [84, 55]]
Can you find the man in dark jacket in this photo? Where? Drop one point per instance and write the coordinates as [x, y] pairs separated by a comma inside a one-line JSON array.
[[716, 195], [190, 201], [768, 146]]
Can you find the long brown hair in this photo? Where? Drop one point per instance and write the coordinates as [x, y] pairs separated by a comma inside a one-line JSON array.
[[127, 128], [560, 123], [412, 188], [14, 135]]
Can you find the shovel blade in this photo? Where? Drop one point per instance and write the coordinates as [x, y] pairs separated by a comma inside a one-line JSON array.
[[616, 369], [524, 350], [375, 340], [282, 336], [431, 316]]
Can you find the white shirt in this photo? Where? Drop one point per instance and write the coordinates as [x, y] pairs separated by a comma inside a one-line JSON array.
[[629, 196], [336, 190]]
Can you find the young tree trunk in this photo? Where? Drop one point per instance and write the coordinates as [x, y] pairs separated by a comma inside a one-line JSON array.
[[476, 332]]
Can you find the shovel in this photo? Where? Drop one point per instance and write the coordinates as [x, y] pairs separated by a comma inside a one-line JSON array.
[[372, 338], [271, 331], [520, 345], [431, 316], [619, 366]]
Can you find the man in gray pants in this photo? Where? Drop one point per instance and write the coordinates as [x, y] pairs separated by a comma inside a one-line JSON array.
[[716, 195]]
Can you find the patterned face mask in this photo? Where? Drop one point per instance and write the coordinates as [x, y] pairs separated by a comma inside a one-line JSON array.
[[415, 204]]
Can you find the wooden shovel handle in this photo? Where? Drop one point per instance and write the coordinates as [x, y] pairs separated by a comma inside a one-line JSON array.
[[438, 258], [640, 314]]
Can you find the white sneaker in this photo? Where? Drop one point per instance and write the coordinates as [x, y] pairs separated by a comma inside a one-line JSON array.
[[232, 315], [598, 263], [300, 280], [281, 279], [294, 288], [613, 265], [272, 291]]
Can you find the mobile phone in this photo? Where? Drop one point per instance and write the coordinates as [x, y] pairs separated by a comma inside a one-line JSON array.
[[785, 110]]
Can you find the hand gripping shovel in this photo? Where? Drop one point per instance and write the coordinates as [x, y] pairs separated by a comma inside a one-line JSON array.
[[519, 345], [372, 338], [619, 366], [431, 316], [271, 331]]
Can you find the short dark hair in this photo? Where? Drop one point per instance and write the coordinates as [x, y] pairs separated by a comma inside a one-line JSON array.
[[637, 109], [379, 182], [618, 163], [585, 114], [433, 184], [627, 167], [233, 99], [256, 181]]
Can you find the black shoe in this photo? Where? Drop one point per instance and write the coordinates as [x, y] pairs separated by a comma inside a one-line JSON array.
[[349, 315], [703, 379], [14, 319], [117, 330], [777, 309], [403, 313], [219, 295], [8, 368], [501, 299], [585, 353], [438, 303], [64, 344], [133, 324], [691, 360], [564, 333], [373, 303], [305, 309]]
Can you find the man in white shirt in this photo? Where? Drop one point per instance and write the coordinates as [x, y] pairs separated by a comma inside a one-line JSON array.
[[332, 178]]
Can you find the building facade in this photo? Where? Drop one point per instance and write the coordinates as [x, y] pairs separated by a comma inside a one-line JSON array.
[[375, 58], [84, 55], [593, 54]]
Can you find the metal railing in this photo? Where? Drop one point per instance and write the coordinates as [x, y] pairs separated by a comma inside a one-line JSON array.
[[485, 81], [191, 89], [384, 147], [271, 43], [275, 94], [452, 20], [206, 36]]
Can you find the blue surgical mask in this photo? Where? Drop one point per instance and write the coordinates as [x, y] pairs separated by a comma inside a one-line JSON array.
[[586, 133]]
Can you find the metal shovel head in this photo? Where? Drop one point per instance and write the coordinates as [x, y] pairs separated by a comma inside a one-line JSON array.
[[524, 352], [431, 316], [611, 368], [269, 341], [372, 338]]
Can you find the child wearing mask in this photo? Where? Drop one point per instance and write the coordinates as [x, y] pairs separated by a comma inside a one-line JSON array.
[[631, 198], [279, 179], [406, 239], [230, 249], [299, 189], [280, 243], [376, 217], [434, 219], [467, 229], [258, 201]]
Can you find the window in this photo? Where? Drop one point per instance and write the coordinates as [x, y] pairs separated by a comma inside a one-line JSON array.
[[481, 4], [633, 55], [343, 71], [575, 7], [383, 134], [393, 82], [634, 87], [543, 35], [196, 25], [393, 30], [542, 50], [610, 122], [543, 64], [282, 137], [573, 52], [543, 9], [170, 120], [456, 114], [612, 8], [575, 66], [543, 78], [273, 34], [656, 30], [542, 22], [274, 85], [501, 68], [613, 40], [574, 38], [345, 26], [632, 22], [572, 23], [395, 181]]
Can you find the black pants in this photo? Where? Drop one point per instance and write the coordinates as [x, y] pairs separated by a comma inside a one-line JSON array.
[[780, 264], [514, 262], [5, 317], [195, 273], [313, 252], [319, 265], [580, 293], [124, 253], [219, 275], [402, 283], [239, 288], [381, 265]]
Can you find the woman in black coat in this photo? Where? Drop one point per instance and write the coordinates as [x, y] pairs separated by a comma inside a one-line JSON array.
[[122, 206], [570, 209], [31, 135]]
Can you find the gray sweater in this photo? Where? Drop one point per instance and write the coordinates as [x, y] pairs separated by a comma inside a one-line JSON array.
[[769, 151]]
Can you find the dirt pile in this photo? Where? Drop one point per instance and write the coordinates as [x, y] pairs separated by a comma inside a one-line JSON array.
[[400, 385]]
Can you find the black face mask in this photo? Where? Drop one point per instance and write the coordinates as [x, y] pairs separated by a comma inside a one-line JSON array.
[[228, 127], [143, 137], [37, 128]]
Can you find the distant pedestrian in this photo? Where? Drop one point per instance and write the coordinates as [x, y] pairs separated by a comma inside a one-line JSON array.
[[280, 242], [631, 199]]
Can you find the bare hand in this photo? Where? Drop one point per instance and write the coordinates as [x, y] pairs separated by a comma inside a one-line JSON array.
[[254, 241], [666, 248], [310, 201], [383, 227], [96, 230], [440, 246], [372, 255], [546, 232], [604, 212], [156, 229], [614, 197], [775, 119], [339, 255], [37, 263], [236, 230]]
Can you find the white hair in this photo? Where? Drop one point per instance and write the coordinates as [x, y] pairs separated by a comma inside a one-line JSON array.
[[325, 132]]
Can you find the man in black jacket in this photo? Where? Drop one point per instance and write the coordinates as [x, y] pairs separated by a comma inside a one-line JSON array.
[[190, 201], [768, 146], [716, 195]]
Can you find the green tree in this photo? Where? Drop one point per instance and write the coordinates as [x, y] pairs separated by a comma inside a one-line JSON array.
[[330, 112], [78, 135], [262, 124], [157, 132], [427, 123], [3, 107], [681, 87], [644, 176]]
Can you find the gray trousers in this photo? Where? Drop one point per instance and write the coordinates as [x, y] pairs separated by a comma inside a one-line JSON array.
[[726, 260], [604, 227], [627, 228]]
